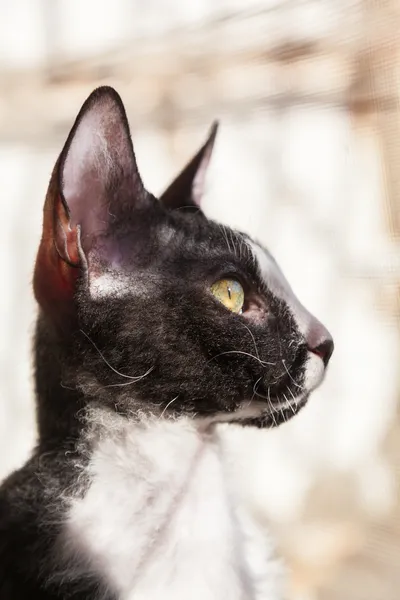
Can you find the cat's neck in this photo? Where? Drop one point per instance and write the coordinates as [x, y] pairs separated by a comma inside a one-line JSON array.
[[57, 403], [161, 496]]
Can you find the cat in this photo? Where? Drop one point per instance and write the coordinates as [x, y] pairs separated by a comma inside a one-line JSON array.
[[156, 326]]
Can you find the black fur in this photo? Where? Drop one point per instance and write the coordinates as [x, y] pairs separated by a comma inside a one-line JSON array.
[[166, 323]]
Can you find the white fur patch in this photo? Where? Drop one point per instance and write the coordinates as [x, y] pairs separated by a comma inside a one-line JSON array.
[[279, 286], [115, 283], [109, 285], [160, 520], [89, 149]]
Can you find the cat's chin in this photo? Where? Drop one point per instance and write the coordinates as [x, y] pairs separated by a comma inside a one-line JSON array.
[[258, 414], [269, 419]]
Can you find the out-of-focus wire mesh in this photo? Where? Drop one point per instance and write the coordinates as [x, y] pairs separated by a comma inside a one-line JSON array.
[[308, 161]]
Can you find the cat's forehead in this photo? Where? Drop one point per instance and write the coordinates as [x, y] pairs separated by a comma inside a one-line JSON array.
[[174, 247], [183, 246]]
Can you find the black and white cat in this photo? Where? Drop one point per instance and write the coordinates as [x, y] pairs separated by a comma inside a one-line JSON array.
[[155, 325]]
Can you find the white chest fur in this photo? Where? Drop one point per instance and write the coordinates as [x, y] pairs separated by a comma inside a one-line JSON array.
[[159, 520]]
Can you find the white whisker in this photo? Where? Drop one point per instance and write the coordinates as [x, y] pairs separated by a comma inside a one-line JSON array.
[[110, 366], [169, 404], [291, 393], [289, 404], [270, 405], [134, 380], [253, 338], [293, 381], [262, 362], [225, 236], [254, 391], [273, 410], [233, 243]]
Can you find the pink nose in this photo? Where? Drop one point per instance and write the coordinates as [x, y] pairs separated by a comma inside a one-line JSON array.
[[320, 342]]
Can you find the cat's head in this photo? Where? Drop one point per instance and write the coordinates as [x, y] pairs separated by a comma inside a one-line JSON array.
[[156, 306]]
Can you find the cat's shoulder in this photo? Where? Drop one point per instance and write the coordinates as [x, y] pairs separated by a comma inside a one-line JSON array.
[[30, 520]]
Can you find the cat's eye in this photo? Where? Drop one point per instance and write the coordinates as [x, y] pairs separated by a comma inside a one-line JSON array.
[[230, 293]]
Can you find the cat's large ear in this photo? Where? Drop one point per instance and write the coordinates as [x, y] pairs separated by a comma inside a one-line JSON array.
[[187, 190], [94, 184]]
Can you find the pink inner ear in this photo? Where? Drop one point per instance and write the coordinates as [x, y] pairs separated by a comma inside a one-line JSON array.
[[88, 168], [99, 175]]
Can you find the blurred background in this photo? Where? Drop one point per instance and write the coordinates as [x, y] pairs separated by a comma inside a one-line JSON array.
[[308, 161]]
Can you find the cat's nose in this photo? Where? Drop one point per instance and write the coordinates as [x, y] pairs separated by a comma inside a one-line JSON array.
[[320, 342]]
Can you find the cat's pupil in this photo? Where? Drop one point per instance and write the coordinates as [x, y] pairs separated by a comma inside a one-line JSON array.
[[229, 292]]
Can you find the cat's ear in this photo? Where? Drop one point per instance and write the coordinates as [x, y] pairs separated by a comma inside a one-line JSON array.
[[187, 190], [95, 183], [98, 174]]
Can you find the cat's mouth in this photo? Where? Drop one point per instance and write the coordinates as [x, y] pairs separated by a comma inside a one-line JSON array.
[[270, 407], [275, 414], [260, 414]]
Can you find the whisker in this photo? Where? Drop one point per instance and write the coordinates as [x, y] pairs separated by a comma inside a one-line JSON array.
[[233, 243], [278, 408], [291, 393], [270, 406], [225, 236], [108, 364], [254, 391], [169, 404], [272, 409], [224, 233], [293, 381], [262, 362], [253, 338], [289, 404], [258, 393], [66, 387], [134, 380]]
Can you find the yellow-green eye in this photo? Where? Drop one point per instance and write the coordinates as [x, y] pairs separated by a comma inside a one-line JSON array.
[[230, 293]]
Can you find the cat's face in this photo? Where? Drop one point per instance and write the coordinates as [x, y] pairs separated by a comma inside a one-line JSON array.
[[162, 308]]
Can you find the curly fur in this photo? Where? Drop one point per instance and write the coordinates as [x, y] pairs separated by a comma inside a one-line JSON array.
[[129, 493]]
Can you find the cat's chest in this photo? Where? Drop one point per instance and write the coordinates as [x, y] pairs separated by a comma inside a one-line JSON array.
[[159, 521]]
